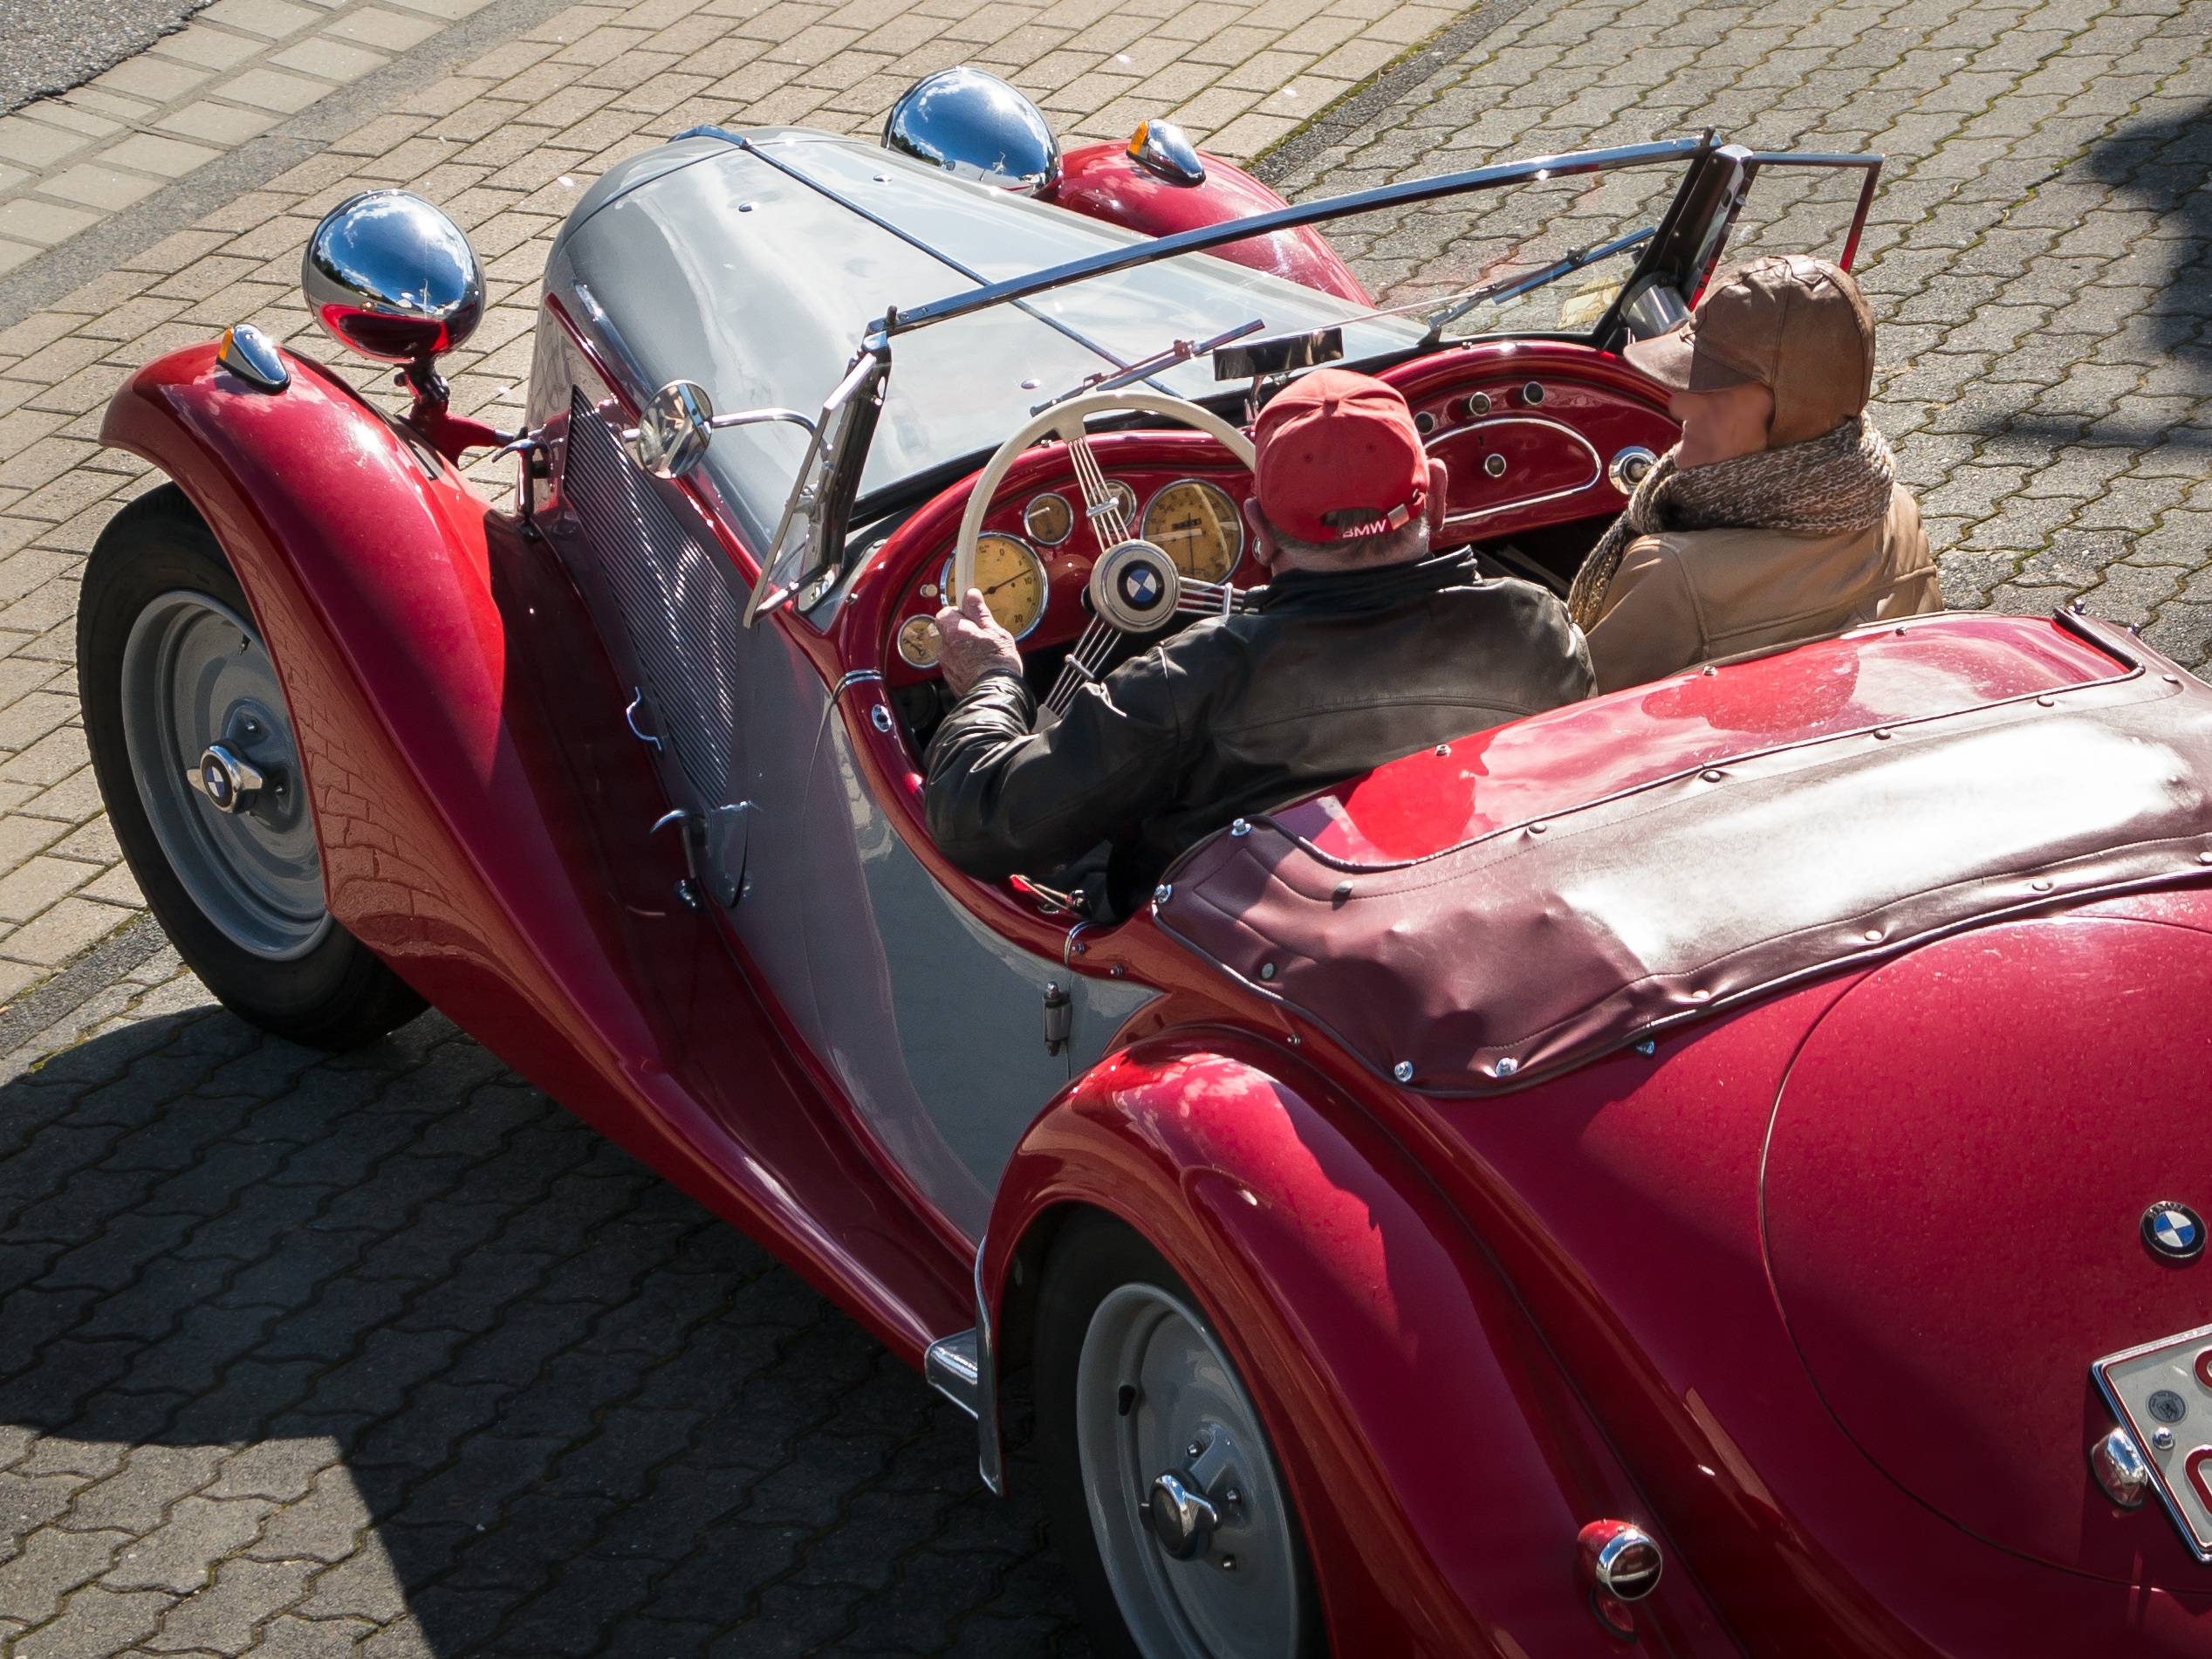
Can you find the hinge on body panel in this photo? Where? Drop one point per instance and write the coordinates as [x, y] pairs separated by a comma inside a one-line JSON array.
[[1059, 1017]]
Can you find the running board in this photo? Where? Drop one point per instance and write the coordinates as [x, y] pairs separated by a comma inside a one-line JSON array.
[[950, 1369]]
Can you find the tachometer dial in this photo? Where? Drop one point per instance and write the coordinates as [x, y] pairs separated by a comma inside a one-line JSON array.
[[919, 641], [1013, 581], [1049, 519], [1199, 527]]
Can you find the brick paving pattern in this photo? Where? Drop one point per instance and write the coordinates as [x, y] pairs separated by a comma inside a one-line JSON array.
[[505, 144], [236, 71], [286, 1333]]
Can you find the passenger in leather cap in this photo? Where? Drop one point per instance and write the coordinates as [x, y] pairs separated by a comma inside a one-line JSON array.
[[1362, 648], [1778, 517]]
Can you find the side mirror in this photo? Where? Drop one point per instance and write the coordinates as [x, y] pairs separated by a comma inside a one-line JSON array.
[[390, 277], [673, 430], [674, 427]]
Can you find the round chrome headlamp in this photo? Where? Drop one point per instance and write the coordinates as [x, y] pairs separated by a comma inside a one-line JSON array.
[[976, 127], [392, 277]]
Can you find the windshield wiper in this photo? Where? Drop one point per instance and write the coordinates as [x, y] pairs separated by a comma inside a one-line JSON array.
[[1513, 287], [1181, 351]]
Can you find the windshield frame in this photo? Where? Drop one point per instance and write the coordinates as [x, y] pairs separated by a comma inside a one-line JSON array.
[[1680, 252]]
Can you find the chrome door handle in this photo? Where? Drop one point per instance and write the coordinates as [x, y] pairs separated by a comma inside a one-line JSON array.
[[630, 715]]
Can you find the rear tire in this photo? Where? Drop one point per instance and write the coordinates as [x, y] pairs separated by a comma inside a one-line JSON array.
[[170, 661], [1133, 1383]]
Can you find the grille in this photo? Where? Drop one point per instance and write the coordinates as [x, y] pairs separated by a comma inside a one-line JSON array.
[[681, 605]]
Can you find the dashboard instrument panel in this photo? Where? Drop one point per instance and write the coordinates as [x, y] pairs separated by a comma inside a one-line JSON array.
[[1526, 434], [1199, 527]]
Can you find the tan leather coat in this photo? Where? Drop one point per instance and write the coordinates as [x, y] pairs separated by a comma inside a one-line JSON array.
[[1688, 596]]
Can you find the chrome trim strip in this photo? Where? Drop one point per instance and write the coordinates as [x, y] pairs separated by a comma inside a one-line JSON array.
[[1597, 465], [990, 1457]]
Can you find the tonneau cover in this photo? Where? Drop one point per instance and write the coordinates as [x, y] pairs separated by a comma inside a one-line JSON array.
[[1550, 942]]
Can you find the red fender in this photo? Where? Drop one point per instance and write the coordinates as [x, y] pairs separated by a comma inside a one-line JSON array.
[[1440, 1464], [1101, 182], [392, 601]]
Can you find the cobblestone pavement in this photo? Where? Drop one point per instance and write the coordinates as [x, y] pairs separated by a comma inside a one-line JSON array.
[[305, 1353], [283, 1333]]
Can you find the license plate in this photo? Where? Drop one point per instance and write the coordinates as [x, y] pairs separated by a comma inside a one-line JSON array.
[[2162, 1391]]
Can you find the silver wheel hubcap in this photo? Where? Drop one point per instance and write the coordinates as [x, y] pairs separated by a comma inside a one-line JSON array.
[[217, 769], [1184, 1499]]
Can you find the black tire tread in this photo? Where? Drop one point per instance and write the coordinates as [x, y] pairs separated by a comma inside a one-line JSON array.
[[339, 996]]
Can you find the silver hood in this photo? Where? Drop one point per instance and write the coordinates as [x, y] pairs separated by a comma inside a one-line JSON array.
[[755, 266]]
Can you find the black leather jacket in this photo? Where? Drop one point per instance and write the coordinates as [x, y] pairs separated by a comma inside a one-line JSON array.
[[1330, 675]]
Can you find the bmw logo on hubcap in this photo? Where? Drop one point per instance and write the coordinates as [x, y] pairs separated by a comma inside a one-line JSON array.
[[2174, 1231]]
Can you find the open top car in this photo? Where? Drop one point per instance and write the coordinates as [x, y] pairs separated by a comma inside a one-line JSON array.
[[1708, 1167]]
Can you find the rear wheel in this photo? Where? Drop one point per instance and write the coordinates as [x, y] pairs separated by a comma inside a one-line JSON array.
[[194, 748], [1169, 1509]]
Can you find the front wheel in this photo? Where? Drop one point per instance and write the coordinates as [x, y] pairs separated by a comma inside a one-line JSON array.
[[1167, 1500], [194, 748]]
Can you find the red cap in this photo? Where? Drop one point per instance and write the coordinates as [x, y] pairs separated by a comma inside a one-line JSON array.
[[1339, 458]]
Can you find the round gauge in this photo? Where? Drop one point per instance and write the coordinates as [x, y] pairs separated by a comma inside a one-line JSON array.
[[1049, 519], [1013, 581], [1124, 498], [1199, 527], [920, 642]]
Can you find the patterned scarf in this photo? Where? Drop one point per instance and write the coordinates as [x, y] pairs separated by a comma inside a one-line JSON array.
[[1825, 486]]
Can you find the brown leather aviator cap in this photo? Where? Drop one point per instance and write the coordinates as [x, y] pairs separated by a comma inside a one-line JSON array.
[[1795, 325]]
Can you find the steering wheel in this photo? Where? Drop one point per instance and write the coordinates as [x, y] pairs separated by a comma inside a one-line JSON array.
[[1134, 586]]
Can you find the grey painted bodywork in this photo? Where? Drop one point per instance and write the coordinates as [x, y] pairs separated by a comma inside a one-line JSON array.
[[756, 269], [932, 1026]]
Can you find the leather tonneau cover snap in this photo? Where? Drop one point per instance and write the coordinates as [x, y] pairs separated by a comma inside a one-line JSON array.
[[1543, 945]]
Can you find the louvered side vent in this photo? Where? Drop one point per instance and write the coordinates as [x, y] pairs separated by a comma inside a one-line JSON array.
[[682, 604]]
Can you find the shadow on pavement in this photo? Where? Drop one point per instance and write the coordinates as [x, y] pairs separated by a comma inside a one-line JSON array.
[[2158, 167], [395, 1312]]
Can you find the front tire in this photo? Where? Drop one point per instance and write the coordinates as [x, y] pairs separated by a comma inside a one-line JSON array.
[[1167, 1502], [172, 670]]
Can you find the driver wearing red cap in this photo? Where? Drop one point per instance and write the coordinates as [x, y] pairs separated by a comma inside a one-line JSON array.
[[1363, 648]]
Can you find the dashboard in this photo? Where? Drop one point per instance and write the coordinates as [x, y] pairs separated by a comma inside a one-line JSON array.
[[1533, 434], [1033, 558]]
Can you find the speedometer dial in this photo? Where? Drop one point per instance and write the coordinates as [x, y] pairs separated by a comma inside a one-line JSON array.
[[1013, 578], [1199, 527]]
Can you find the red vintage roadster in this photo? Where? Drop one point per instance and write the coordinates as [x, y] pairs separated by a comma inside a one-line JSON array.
[[1710, 1168]]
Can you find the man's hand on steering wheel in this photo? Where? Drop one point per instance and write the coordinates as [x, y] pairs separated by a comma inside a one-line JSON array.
[[974, 643]]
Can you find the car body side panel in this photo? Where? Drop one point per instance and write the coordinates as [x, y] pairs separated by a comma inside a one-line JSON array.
[[1622, 1202], [1440, 1467], [386, 591]]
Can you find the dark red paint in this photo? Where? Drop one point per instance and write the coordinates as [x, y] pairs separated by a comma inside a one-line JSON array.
[[1949, 1271], [1876, 678], [1101, 182], [1473, 1326]]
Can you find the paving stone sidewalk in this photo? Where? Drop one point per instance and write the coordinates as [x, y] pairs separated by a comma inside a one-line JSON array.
[[284, 1332], [505, 143]]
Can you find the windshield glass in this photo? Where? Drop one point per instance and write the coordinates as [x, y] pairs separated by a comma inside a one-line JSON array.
[[1545, 256]]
